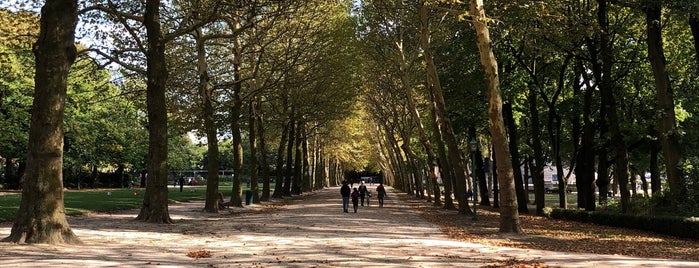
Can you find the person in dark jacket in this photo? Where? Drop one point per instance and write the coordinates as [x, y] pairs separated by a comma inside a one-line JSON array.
[[380, 193], [345, 192], [355, 199], [362, 192]]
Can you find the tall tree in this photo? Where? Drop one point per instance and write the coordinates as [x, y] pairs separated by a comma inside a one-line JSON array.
[[155, 199], [509, 217], [41, 217], [669, 134]]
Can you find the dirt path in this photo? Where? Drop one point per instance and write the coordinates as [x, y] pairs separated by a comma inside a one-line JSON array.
[[311, 231]]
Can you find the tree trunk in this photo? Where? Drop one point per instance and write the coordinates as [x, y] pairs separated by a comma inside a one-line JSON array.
[[286, 189], [427, 146], [445, 170], [263, 158], [155, 201], [41, 217], [654, 169], [509, 217], [453, 149], [307, 185], [694, 26], [669, 136], [517, 171], [298, 164], [279, 178], [537, 168], [606, 88], [207, 101], [586, 162], [252, 132]]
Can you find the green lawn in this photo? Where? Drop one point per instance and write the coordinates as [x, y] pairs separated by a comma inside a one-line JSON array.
[[84, 201]]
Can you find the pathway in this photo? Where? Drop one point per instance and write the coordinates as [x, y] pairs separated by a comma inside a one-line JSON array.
[[310, 231]]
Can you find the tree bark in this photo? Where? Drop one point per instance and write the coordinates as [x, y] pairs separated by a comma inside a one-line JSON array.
[[252, 131], [669, 136], [207, 102], [694, 26], [537, 168], [286, 187], [279, 178], [509, 216], [41, 217], [445, 170], [606, 87], [263, 158], [298, 164], [155, 201], [517, 171]]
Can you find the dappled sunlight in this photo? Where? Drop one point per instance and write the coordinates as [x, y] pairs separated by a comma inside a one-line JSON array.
[[310, 231]]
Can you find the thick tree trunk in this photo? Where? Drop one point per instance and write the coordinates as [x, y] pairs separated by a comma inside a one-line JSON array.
[[155, 201], [237, 184], [669, 136], [41, 217], [207, 103], [509, 216]]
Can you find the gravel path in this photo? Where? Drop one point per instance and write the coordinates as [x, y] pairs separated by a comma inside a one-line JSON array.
[[310, 231]]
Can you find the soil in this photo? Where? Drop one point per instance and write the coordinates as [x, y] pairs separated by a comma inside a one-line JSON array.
[[309, 230]]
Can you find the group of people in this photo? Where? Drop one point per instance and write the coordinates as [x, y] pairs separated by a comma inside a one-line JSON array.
[[359, 194]]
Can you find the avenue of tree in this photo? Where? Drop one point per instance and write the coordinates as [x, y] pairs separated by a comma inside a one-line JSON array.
[[101, 93]]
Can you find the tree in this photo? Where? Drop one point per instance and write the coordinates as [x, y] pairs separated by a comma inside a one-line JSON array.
[[41, 216], [509, 218]]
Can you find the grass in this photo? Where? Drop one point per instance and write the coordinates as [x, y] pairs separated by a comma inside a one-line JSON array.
[[101, 200]]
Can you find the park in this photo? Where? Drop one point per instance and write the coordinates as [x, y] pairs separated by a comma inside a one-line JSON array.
[[217, 133]]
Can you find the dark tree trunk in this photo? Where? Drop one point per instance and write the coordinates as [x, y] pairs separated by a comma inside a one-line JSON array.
[[237, 184], [654, 169], [669, 136], [41, 217], [445, 170], [694, 26], [263, 158], [252, 131], [279, 178], [307, 183], [206, 95], [606, 87], [496, 189], [288, 171], [298, 164], [155, 201], [537, 169], [514, 152]]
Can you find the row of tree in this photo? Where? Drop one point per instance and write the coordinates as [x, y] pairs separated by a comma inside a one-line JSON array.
[[270, 72], [601, 88]]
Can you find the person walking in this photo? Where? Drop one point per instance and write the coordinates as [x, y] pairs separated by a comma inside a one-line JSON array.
[[345, 192], [380, 193], [362, 192], [355, 199]]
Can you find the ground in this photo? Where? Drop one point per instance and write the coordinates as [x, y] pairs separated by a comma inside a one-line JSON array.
[[311, 231]]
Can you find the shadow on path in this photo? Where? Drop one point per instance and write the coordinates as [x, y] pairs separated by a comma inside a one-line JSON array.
[[310, 231]]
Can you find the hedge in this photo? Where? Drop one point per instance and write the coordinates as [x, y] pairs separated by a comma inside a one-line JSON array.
[[685, 227]]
